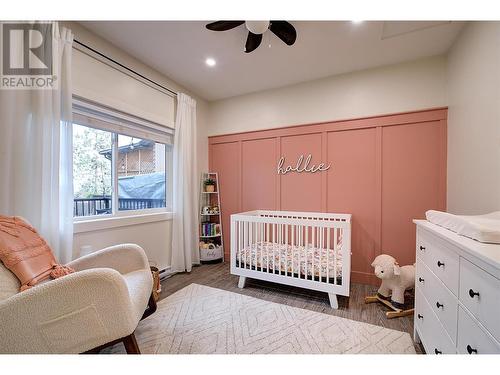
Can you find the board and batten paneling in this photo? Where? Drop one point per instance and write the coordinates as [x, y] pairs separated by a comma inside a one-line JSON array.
[[352, 186], [300, 191], [413, 181], [385, 171], [227, 158], [258, 185]]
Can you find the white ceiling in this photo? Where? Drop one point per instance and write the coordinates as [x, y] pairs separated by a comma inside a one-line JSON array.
[[178, 49]]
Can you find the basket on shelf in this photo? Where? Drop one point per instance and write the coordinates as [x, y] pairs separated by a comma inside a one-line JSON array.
[[210, 252]]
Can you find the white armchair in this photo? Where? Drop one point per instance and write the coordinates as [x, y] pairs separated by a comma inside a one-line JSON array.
[[98, 305]]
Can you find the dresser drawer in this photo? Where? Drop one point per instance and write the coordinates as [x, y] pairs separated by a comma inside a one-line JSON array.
[[441, 300], [472, 339], [480, 293], [442, 261], [432, 333]]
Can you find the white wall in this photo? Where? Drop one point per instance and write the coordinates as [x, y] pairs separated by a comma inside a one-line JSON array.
[[402, 87], [154, 237], [474, 120]]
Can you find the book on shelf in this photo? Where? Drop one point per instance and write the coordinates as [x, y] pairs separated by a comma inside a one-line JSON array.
[[210, 229]]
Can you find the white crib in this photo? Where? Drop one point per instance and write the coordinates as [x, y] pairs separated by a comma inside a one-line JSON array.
[[304, 249]]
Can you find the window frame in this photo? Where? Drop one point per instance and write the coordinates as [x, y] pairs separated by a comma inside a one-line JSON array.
[[94, 116]]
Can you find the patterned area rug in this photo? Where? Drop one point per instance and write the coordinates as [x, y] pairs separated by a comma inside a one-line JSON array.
[[200, 320]]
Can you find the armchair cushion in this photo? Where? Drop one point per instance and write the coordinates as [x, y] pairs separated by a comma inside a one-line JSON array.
[[9, 284]]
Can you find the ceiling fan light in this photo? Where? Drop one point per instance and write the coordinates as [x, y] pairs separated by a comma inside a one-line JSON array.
[[257, 27]]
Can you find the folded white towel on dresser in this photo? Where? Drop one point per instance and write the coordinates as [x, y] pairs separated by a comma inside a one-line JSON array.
[[483, 228]]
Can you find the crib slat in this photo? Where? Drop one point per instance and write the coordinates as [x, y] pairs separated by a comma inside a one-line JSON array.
[[245, 246], [238, 247], [322, 246], [242, 244], [249, 246], [254, 245], [335, 254], [312, 249], [328, 255], [318, 248], [262, 246], [286, 226], [306, 251], [293, 247], [283, 248], [274, 246], [268, 238], [252, 242]]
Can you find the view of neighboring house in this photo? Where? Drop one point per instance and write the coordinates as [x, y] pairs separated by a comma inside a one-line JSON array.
[[141, 177], [138, 158]]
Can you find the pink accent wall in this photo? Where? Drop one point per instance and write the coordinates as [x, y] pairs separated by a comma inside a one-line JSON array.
[[300, 191], [385, 171], [258, 193]]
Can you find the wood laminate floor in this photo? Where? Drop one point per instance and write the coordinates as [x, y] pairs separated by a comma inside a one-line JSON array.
[[354, 307]]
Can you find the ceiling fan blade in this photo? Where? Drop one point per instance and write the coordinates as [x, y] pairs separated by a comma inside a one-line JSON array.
[[223, 25], [284, 30], [253, 41]]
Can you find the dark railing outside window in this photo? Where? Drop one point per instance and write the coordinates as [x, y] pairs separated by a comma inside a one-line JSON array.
[[102, 205]]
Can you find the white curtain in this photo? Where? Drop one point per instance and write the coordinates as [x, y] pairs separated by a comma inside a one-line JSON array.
[[36, 166], [185, 192]]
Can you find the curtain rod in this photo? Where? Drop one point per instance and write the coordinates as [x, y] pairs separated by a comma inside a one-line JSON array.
[[125, 67]]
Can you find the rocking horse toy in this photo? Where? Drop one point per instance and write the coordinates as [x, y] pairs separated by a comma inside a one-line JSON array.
[[396, 280]]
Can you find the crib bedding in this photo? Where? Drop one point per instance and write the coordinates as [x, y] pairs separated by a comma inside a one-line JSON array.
[[298, 260]]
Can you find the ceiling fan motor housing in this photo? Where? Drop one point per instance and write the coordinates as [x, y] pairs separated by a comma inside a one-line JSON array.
[[257, 27]]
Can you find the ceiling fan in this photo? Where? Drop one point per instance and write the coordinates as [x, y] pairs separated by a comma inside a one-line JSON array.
[[282, 29]]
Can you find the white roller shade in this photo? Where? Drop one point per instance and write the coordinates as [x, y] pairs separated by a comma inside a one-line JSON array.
[[97, 116], [103, 83]]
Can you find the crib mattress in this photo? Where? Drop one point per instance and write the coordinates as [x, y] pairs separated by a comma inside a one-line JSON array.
[[292, 259]]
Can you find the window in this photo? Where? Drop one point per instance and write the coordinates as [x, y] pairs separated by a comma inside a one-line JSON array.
[[119, 167], [92, 171], [141, 174]]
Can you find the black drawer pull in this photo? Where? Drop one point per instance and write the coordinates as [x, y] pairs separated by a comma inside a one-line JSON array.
[[438, 305], [470, 350], [420, 316], [420, 280], [440, 263], [422, 248], [472, 294], [438, 351]]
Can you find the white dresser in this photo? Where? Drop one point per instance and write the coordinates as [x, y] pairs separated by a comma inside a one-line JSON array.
[[457, 292]]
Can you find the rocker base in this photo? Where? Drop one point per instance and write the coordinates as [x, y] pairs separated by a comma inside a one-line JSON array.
[[396, 313]]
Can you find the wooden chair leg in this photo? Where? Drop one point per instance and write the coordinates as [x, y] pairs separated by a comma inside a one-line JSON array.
[[151, 308], [130, 344], [93, 351]]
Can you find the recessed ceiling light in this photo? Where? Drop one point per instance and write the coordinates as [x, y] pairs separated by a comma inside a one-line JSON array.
[[357, 22], [210, 62]]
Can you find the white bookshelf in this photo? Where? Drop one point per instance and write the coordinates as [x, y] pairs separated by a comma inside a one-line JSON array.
[[210, 215]]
